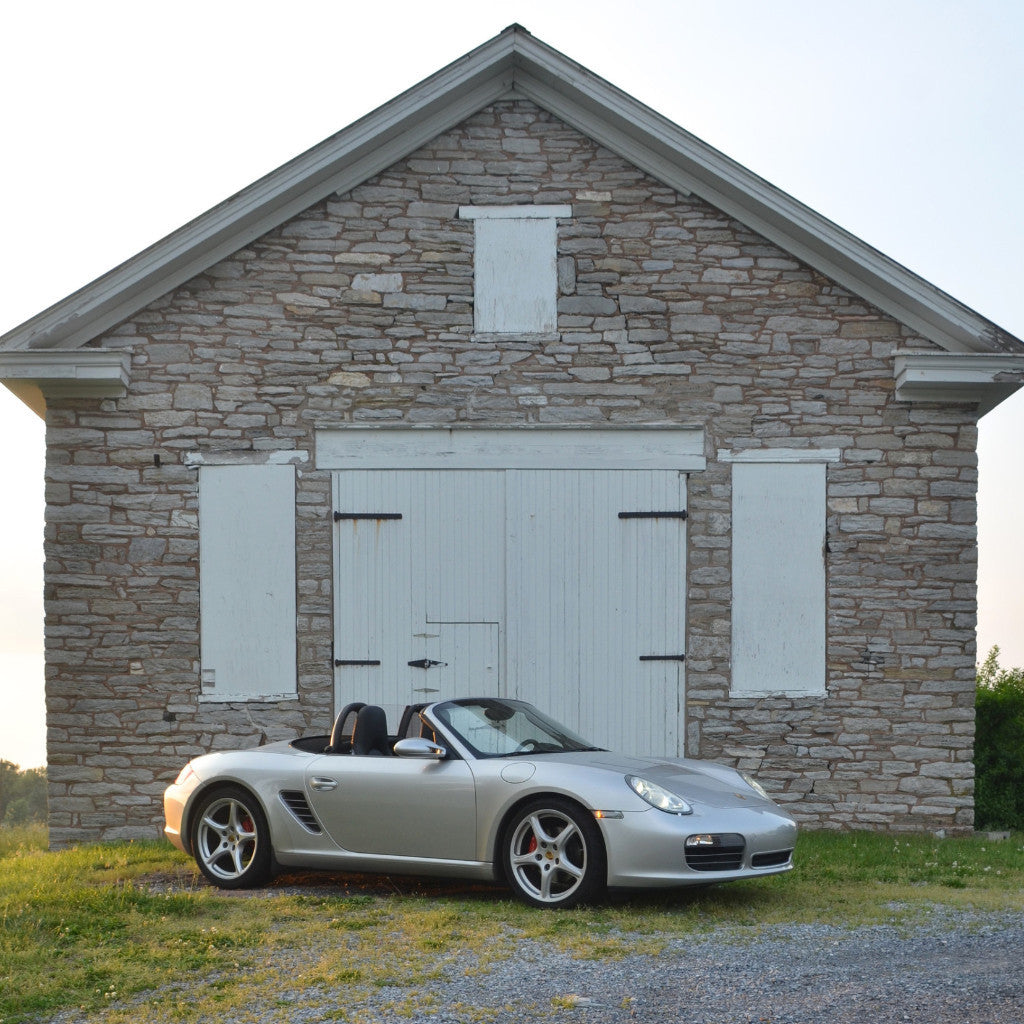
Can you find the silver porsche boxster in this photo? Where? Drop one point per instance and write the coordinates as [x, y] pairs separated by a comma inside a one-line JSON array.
[[485, 788]]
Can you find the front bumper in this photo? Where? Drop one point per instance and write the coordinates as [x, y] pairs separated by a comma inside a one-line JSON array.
[[176, 799], [648, 848]]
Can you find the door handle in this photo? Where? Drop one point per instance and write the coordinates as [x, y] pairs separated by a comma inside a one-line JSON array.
[[322, 785]]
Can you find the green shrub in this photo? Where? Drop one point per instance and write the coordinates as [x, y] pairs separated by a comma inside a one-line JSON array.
[[999, 746]]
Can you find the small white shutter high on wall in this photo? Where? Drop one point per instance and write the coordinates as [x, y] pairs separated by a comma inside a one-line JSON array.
[[515, 278], [778, 578], [247, 581]]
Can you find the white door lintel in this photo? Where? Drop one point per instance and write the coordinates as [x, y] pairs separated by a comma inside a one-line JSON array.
[[678, 448]]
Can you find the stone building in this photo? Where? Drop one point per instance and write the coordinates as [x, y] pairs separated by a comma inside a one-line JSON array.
[[514, 386]]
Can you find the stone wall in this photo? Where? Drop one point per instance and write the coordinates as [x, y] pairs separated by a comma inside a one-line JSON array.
[[360, 311]]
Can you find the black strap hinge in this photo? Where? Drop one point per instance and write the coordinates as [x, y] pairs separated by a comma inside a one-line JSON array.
[[338, 516], [677, 514]]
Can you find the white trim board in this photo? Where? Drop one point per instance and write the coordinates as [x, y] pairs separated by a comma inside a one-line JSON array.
[[791, 455], [516, 212], [277, 457], [524, 448]]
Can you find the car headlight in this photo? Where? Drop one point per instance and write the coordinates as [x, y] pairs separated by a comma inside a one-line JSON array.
[[658, 796], [755, 785]]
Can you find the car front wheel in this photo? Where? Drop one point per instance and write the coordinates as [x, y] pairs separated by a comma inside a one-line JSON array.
[[231, 839], [553, 854]]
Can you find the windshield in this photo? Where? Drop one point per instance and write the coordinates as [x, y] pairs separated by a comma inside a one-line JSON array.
[[493, 727]]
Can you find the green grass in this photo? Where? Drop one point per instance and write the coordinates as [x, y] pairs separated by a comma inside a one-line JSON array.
[[84, 928]]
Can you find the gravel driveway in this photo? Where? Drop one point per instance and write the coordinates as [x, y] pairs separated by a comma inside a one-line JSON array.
[[959, 968], [956, 970]]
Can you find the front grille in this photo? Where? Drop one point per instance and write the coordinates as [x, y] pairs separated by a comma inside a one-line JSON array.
[[715, 852], [770, 860], [296, 802]]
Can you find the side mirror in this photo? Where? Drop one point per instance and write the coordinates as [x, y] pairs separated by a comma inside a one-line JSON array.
[[423, 749]]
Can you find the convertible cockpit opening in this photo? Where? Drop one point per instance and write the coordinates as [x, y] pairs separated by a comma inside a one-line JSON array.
[[361, 729]]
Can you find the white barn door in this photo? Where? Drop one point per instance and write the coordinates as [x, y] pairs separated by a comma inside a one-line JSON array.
[[563, 587], [419, 586], [596, 630]]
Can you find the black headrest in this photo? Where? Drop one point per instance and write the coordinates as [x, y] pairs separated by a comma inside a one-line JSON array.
[[370, 735]]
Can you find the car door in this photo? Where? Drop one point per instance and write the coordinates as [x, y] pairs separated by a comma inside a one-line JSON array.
[[394, 806]]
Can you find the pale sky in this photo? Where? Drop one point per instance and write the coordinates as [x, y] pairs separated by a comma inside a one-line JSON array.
[[901, 120]]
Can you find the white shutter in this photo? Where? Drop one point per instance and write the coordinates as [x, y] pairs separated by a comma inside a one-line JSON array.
[[247, 581], [515, 276], [515, 280], [778, 579]]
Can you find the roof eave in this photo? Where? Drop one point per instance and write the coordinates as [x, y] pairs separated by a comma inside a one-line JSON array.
[[978, 379], [34, 376]]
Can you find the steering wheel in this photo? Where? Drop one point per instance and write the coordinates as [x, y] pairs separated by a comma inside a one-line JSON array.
[[525, 745]]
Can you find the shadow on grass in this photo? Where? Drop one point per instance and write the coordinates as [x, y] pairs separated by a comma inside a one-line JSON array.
[[745, 896]]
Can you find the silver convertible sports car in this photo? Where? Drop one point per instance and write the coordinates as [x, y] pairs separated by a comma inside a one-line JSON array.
[[484, 788]]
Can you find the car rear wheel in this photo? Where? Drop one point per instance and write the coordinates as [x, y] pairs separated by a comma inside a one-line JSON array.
[[553, 854], [231, 839]]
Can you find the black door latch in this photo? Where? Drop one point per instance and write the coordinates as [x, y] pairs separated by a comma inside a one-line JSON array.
[[426, 663]]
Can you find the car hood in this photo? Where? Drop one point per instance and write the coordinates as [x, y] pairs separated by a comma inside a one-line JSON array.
[[697, 782]]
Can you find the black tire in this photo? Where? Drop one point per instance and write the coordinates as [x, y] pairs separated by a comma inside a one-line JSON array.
[[552, 854], [231, 839]]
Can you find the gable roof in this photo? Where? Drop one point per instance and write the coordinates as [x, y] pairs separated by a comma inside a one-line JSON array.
[[512, 64]]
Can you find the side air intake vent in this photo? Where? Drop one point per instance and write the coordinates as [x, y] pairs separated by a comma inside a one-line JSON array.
[[296, 802]]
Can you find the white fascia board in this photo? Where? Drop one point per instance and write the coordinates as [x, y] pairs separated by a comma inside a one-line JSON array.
[[81, 373], [982, 379]]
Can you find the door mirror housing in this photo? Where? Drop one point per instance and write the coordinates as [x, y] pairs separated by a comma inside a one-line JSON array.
[[416, 747]]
